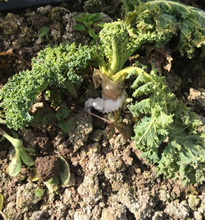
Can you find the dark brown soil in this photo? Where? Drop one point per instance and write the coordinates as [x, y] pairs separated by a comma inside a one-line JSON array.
[[47, 167]]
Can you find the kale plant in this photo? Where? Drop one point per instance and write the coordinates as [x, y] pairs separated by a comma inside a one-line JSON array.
[[153, 22], [166, 131], [59, 66]]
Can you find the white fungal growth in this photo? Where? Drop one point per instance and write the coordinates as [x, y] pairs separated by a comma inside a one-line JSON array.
[[105, 105]]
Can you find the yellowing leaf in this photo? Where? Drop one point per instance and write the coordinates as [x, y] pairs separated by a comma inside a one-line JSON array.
[[15, 166], [1, 201]]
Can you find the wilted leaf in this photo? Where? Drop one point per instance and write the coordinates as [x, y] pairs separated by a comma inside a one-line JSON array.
[[64, 171], [26, 158], [15, 166], [109, 131], [124, 129], [161, 57]]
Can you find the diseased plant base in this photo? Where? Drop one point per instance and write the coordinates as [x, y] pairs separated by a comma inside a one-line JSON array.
[[105, 105]]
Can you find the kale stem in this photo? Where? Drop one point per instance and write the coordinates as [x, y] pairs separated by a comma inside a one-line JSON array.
[[122, 74]]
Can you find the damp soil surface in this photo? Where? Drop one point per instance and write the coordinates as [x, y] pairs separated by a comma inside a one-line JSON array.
[[109, 180]]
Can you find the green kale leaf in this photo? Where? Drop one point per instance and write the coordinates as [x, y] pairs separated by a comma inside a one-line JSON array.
[[166, 132], [58, 66], [157, 21]]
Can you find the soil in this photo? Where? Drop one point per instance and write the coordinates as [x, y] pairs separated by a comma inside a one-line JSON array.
[[47, 167], [109, 179]]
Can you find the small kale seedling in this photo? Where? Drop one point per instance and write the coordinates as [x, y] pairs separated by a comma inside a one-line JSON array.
[[86, 21], [61, 118], [43, 31], [21, 154]]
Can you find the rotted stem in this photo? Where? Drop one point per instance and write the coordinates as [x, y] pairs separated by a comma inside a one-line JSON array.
[[113, 87]]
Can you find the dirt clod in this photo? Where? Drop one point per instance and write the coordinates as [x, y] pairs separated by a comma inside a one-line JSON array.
[[47, 167]]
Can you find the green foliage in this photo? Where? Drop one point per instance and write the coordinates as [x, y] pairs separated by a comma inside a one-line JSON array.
[[129, 5], [57, 66], [63, 177], [64, 173], [117, 47], [166, 131], [154, 22], [157, 21], [86, 22], [39, 192], [21, 154], [61, 118], [43, 31]]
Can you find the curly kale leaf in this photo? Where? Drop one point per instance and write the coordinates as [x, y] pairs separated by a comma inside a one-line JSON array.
[[59, 66], [157, 21], [166, 131], [116, 45]]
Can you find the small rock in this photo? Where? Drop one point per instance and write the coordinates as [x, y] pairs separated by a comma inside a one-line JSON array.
[[201, 208], [116, 212], [177, 210], [158, 215], [94, 148], [89, 190], [102, 204], [39, 40], [38, 215], [198, 216], [81, 129], [80, 215], [193, 201], [25, 197], [164, 195], [44, 10], [197, 96]]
